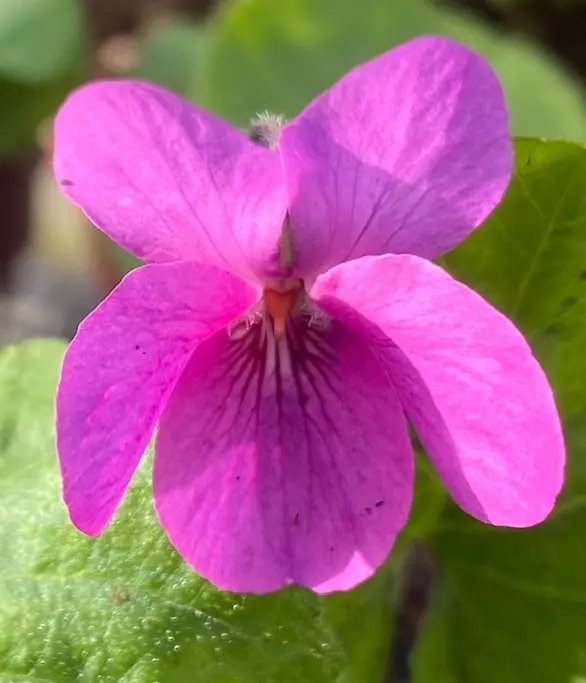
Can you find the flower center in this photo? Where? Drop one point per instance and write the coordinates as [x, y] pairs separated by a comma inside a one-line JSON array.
[[284, 303], [280, 301]]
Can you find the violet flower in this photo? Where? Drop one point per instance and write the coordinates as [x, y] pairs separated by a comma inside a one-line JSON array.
[[288, 323]]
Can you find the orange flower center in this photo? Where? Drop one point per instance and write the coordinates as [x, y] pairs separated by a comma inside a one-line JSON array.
[[280, 300]]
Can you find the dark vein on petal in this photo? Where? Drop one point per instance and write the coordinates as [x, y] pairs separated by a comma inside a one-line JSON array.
[[334, 465]]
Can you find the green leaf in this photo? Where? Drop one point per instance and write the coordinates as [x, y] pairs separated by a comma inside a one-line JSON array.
[[259, 59], [28, 375], [124, 607], [39, 39], [511, 605]]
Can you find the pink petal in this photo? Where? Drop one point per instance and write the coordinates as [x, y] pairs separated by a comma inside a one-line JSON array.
[[406, 154], [168, 181], [121, 367], [275, 466], [469, 384]]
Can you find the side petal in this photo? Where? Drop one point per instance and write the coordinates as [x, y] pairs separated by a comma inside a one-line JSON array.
[[405, 154], [283, 462], [478, 399], [168, 181], [118, 373]]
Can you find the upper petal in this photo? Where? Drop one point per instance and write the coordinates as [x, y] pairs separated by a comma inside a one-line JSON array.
[[119, 370], [467, 379], [405, 154], [281, 462], [168, 181]]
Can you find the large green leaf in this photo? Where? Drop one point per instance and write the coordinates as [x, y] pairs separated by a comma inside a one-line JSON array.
[[259, 58], [39, 39], [124, 607], [511, 606]]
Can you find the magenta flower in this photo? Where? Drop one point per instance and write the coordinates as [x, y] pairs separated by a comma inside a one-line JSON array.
[[288, 323]]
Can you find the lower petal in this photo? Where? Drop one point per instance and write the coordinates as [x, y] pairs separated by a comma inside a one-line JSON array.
[[119, 370], [467, 380], [283, 461]]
